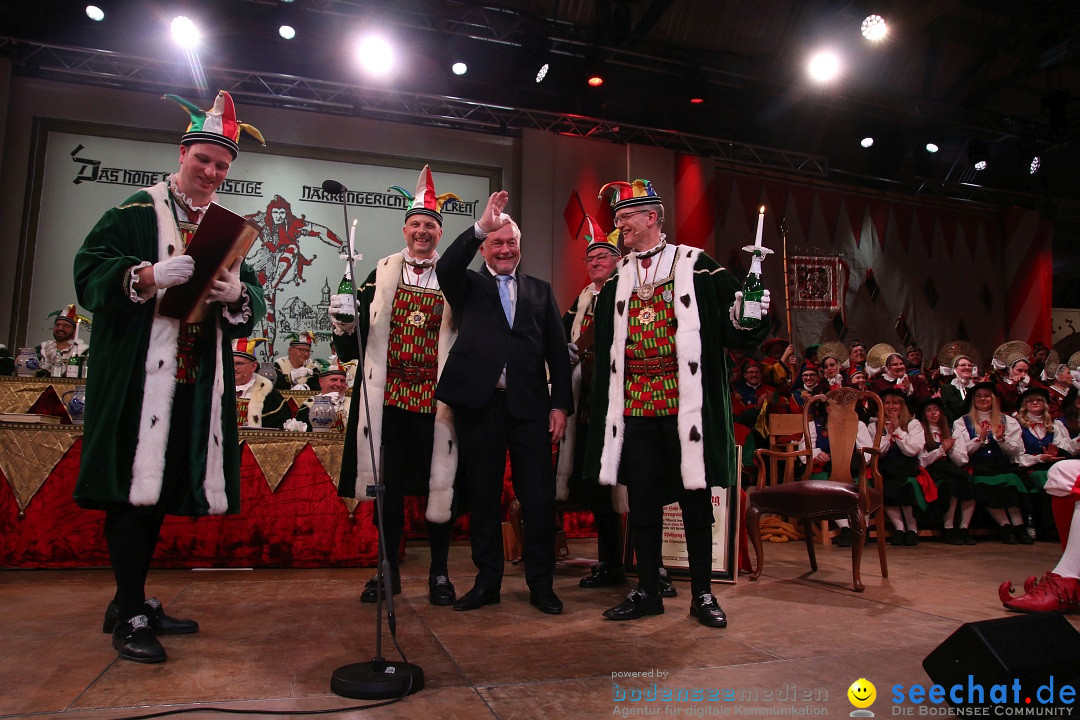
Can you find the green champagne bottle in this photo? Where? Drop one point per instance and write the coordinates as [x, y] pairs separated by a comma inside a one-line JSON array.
[[753, 290], [345, 288], [74, 366]]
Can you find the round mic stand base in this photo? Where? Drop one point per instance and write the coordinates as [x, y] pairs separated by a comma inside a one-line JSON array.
[[375, 680]]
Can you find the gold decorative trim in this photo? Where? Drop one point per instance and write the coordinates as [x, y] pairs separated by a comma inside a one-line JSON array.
[[28, 456]]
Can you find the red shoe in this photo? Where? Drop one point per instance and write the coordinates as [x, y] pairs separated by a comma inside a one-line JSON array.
[[1006, 589], [1052, 593]]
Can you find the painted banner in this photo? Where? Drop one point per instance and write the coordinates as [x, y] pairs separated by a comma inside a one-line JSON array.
[[298, 255], [817, 283]]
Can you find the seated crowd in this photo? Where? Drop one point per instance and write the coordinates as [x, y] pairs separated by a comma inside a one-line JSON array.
[[954, 439]]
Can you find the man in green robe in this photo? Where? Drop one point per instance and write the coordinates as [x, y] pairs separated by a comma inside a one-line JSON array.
[[160, 428], [661, 407]]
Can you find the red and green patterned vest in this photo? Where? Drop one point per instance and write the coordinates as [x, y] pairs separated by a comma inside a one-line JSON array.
[[190, 343], [413, 356], [650, 333]]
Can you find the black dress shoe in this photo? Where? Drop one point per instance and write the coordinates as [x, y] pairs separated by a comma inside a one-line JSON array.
[[965, 535], [160, 623], [134, 640], [707, 611], [440, 590], [667, 590], [911, 538], [371, 588], [1007, 535], [897, 538], [1022, 535], [477, 598], [844, 538], [604, 575], [952, 536], [546, 601], [637, 604]]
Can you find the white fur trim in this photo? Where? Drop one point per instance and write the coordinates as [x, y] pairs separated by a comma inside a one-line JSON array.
[[256, 396], [691, 392], [565, 467], [688, 352], [214, 475], [159, 386], [444, 441]]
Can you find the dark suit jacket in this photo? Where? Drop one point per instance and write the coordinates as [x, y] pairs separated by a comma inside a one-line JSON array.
[[485, 341]]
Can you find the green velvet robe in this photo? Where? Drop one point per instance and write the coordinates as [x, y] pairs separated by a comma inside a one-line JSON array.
[[704, 292], [130, 388]]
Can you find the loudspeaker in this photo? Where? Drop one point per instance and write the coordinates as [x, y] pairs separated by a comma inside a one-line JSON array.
[[1028, 648]]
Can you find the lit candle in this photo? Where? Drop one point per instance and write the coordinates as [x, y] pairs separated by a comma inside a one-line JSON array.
[[352, 236], [760, 225]]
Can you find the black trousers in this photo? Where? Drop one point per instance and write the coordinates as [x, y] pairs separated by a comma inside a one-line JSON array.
[[649, 467], [485, 435], [596, 498], [131, 532], [406, 451]]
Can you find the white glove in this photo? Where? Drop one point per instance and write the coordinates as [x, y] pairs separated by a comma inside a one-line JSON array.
[[294, 425], [173, 271], [299, 374], [573, 350], [226, 286], [736, 307], [342, 305]]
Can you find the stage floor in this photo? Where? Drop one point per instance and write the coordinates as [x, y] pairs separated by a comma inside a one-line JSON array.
[[271, 639]]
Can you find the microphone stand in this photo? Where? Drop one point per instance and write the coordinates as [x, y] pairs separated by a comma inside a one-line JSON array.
[[378, 679]]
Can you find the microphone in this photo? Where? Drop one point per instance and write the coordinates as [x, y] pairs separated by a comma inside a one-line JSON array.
[[333, 187], [378, 678]]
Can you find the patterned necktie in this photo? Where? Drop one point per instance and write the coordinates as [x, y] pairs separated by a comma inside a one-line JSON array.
[[504, 296]]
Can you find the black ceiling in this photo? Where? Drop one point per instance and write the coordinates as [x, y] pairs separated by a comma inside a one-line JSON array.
[[1000, 74]]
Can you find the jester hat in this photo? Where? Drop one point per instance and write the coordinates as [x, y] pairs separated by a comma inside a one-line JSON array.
[[639, 192], [594, 237], [245, 347], [218, 125], [69, 314], [301, 339], [424, 201]]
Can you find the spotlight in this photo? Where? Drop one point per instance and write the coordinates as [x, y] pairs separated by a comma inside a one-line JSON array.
[[595, 68], [459, 68], [184, 32], [867, 142], [375, 55], [542, 72], [932, 147], [824, 66], [978, 156], [95, 13], [874, 28], [1036, 163], [287, 31]]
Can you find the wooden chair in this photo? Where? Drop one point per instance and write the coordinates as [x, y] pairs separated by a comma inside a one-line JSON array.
[[785, 431], [837, 497]]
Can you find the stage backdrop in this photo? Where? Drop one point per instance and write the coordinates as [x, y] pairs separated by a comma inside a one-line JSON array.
[[86, 169], [915, 270], [903, 269]]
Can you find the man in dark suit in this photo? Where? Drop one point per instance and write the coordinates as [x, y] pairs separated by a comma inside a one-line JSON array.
[[510, 338]]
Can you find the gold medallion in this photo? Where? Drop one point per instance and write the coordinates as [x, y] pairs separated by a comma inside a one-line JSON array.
[[417, 318], [646, 315], [645, 290]]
